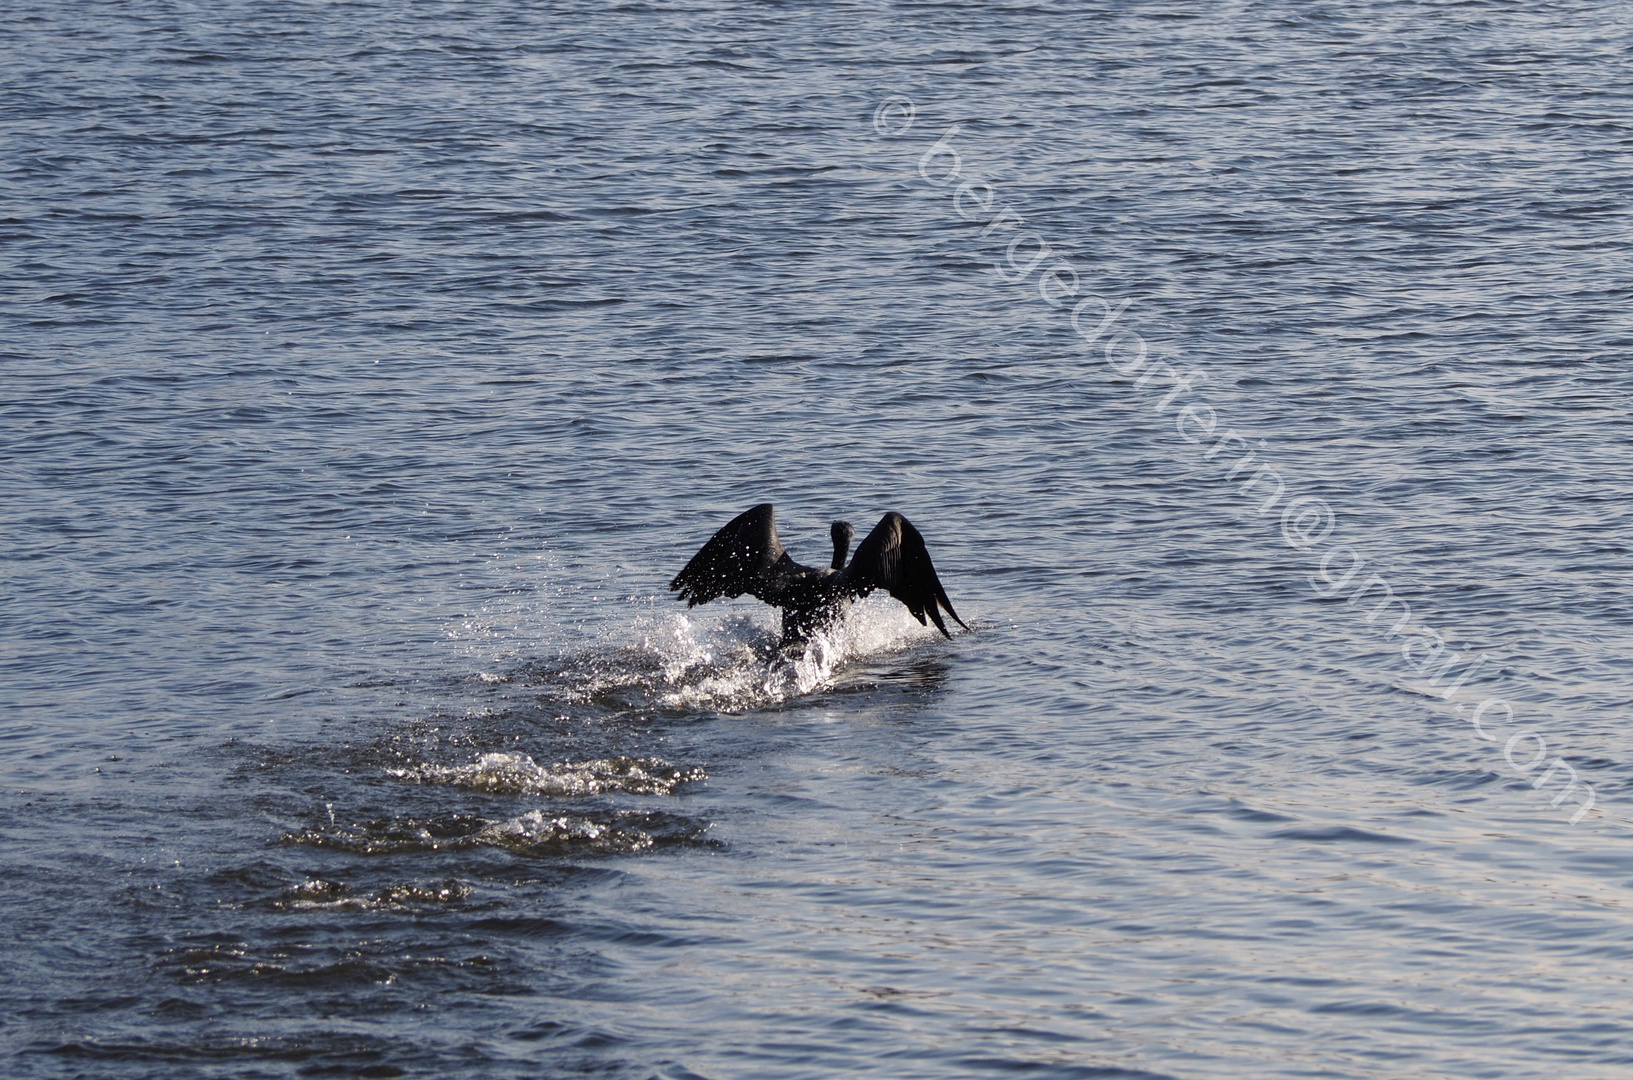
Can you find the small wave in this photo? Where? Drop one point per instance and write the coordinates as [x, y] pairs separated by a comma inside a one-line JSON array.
[[520, 774], [535, 829], [319, 895], [1339, 834], [533, 833], [318, 966]]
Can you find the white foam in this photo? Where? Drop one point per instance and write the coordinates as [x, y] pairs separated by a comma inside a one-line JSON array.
[[536, 827], [681, 662], [520, 774]]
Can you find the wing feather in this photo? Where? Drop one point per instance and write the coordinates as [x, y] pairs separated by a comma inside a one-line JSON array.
[[894, 558], [736, 560]]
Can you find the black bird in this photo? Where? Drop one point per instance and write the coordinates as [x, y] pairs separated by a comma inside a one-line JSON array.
[[747, 557]]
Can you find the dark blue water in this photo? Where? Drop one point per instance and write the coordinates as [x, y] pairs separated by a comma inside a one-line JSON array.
[[370, 369]]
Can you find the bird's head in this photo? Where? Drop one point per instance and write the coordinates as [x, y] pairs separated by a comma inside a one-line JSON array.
[[842, 533]]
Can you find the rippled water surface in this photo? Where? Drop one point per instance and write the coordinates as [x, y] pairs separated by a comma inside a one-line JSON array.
[[370, 369]]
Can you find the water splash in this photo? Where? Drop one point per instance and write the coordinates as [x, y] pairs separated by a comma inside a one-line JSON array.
[[680, 662], [532, 833], [520, 774], [316, 894]]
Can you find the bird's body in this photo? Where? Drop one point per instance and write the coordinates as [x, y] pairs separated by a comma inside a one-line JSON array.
[[746, 557]]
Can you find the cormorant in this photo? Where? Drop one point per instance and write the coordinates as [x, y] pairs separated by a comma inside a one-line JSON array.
[[746, 557]]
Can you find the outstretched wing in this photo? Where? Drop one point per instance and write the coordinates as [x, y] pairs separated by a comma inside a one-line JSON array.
[[894, 558], [735, 561]]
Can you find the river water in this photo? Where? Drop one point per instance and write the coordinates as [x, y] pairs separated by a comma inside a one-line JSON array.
[[370, 369]]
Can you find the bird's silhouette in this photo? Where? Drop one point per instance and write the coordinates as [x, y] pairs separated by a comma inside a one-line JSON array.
[[746, 557]]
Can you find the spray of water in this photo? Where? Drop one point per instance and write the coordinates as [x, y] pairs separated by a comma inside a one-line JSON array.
[[682, 662]]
